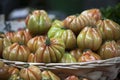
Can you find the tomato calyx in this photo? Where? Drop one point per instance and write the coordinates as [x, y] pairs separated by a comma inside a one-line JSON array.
[[64, 28], [47, 42]]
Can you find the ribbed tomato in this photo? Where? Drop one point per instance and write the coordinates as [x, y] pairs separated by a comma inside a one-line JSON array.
[[4, 74], [48, 75], [13, 70], [109, 49], [76, 53], [68, 58], [59, 31], [9, 36], [15, 77], [109, 29], [89, 56], [21, 36], [89, 38], [32, 58], [16, 52], [95, 13], [30, 73], [51, 50], [34, 43], [77, 23], [38, 22]]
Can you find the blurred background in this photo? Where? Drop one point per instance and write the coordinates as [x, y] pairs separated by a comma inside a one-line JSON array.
[[19, 9]]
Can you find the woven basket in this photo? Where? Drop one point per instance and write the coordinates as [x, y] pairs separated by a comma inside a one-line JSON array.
[[96, 70]]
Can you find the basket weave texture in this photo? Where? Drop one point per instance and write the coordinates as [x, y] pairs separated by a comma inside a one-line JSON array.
[[95, 70]]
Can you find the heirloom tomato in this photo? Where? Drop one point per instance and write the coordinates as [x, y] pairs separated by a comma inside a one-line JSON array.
[[77, 23], [59, 31], [109, 49], [68, 58], [4, 74], [21, 36], [38, 22], [51, 50], [30, 73], [89, 56], [89, 38], [109, 29], [34, 43], [76, 53], [95, 13], [16, 52], [48, 75]]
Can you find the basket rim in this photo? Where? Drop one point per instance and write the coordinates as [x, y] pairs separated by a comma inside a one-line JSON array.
[[114, 60]]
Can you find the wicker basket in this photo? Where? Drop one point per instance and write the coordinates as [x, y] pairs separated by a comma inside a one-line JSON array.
[[96, 70]]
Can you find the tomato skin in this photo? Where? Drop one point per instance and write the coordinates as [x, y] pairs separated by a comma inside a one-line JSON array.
[[15, 77], [34, 43], [89, 56], [109, 49], [76, 53], [32, 58], [21, 36], [109, 29], [68, 58], [13, 70], [51, 50], [59, 31], [77, 23], [4, 74], [48, 75], [9, 36], [16, 52], [95, 13], [89, 38], [30, 73], [38, 22]]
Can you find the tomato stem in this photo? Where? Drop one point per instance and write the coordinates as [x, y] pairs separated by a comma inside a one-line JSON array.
[[47, 41]]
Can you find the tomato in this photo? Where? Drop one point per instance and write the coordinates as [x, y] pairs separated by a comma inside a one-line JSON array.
[[51, 50], [21, 36], [13, 70], [48, 75], [95, 13], [34, 43], [15, 77], [38, 22], [16, 52], [68, 58], [59, 31], [9, 36], [89, 38], [4, 74], [32, 58], [109, 49], [77, 23], [30, 73], [109, 29], [76, 53], [89, 56]]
